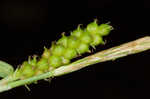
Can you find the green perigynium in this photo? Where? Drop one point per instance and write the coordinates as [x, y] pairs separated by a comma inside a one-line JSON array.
[[26, 70], [82, 48], [96, 40], [78, 32], [46, 53], [92, 27], [70, 53], [104, 29], [86, 38], [63, 40], [55, 61], [73, 42], [58, 50], [65, 49], [43, 64]]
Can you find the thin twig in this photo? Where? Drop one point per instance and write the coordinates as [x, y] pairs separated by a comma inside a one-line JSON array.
[[133, 47]]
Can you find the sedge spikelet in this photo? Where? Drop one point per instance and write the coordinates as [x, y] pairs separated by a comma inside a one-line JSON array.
[[65, 49]]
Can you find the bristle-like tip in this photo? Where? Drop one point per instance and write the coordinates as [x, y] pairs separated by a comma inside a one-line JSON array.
[[93, 46], [27, 87]]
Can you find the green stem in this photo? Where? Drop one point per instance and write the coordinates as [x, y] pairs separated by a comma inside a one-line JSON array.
[[133, 47]]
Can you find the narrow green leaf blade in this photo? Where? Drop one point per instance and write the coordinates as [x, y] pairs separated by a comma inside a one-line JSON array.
[[5, 69]]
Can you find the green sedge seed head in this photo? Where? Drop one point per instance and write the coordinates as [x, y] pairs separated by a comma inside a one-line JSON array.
[[55, 61], [78, 32], [58, 50], [104, 29], [70, 53], [43, 64], [63, 40], [97, 39], [65, 61], [86, 38], [83, 47], [92, 27], [73, 42], [46, 53]]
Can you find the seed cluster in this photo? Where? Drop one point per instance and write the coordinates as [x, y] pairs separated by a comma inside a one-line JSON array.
[[65, 49]]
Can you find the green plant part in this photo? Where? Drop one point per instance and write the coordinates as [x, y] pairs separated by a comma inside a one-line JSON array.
[[43, 64], [65, 61], [33, 61], [5, 69], [26, 70], [82, 48], [63, 40], [104, 29], [39, 72], [65, 49], [78, 32], [46, 53], [58, 50], [55, 61], [92, 27], [73, 42], [86, 38], [70, 53], [52, 46], [116, 52], [97, 40]]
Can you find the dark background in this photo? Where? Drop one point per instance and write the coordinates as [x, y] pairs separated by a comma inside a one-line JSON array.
[[26, 26]]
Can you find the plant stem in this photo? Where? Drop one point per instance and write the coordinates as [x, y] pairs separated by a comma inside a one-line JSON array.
[[133, 47]]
